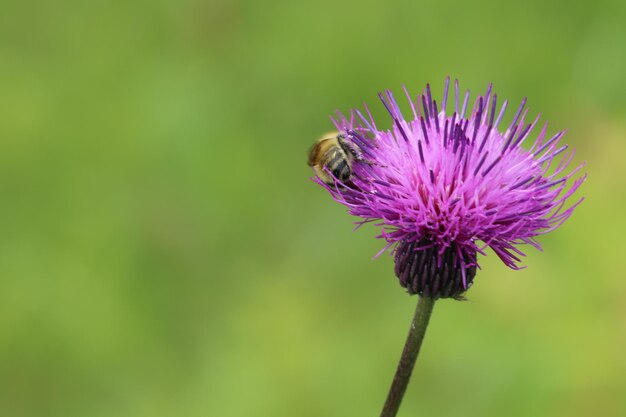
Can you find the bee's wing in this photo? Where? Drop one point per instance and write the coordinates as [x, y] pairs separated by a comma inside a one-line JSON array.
[[314, 151]]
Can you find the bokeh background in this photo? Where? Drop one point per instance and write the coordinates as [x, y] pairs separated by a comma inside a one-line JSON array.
[[164, 253]]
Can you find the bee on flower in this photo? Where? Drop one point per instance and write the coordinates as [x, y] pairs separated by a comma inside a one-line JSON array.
[[448, 183]]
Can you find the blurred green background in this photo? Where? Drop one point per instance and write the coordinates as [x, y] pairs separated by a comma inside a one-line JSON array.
[[164, 253]]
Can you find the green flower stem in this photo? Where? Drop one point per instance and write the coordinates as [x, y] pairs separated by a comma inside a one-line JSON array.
[[409, 356]]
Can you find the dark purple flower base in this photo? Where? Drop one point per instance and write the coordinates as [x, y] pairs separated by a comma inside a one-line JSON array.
[[425, 269]]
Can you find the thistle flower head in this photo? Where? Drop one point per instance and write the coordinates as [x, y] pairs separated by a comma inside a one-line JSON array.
[[447, 183]]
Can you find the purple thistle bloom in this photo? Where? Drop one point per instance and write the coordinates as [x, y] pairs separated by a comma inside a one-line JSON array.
[[446, 184]]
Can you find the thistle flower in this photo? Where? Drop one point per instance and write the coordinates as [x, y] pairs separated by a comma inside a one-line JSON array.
[[447, 184]]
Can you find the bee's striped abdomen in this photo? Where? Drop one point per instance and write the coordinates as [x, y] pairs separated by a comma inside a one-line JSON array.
[[339, 165]]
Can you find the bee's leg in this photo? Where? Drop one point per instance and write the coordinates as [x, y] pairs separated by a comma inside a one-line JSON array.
[[349, 184]]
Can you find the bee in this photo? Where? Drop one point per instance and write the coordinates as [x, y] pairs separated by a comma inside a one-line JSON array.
[[336, 153]]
